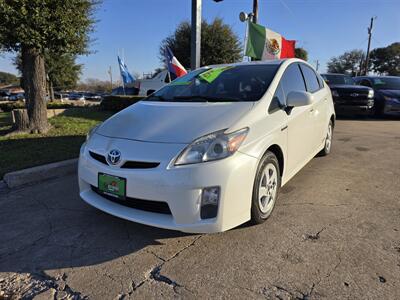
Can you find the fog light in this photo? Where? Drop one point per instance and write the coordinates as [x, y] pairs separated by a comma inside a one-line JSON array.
[[209, 202]]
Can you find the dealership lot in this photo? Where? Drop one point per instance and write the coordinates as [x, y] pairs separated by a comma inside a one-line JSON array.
[[335, 234]]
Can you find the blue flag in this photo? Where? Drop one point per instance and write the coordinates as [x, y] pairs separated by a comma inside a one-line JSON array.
[[126, 76]]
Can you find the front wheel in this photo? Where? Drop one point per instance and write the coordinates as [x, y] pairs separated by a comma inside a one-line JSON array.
[[266, 188], [328, 141]]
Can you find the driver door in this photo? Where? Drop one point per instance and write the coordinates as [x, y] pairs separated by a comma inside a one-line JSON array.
[[300, 124]]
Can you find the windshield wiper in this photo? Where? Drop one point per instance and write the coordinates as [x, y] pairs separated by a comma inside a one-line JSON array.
[[158, 97]]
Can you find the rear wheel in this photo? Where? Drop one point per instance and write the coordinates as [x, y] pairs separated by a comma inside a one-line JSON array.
[[328, 141], [266, 188]]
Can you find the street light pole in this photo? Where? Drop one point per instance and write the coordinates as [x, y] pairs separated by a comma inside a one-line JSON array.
[[195, 41], [255, 11]]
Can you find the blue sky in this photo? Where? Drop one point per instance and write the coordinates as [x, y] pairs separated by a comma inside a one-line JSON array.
[[325, 28]]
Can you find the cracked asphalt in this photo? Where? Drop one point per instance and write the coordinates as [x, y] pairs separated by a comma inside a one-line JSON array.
[[334, 234]]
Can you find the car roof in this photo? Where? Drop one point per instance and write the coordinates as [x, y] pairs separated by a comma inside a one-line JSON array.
[[335, 74], [258, 62], [376, 76]]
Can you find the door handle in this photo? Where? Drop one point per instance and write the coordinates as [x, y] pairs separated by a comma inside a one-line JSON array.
[[311, 109]]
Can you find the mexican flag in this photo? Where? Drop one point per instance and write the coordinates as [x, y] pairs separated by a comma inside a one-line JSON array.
[[264, 44]]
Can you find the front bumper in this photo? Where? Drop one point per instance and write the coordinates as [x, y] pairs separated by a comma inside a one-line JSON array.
[[180, 187], [354, 109], [392, 107]]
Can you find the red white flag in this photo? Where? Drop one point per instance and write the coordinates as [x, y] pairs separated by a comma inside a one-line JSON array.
[[264, 44]]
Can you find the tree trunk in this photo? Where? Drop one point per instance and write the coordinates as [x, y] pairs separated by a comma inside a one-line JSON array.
[[34, 79], [21, 120]]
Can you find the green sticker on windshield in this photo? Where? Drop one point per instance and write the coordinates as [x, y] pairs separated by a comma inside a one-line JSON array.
[[213, 74]]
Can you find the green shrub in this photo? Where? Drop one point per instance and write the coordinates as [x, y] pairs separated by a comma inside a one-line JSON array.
[[9, 106], [117, 103]]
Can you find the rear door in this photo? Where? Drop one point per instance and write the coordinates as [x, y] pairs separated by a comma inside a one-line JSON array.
[[318, 111], [300, 123]]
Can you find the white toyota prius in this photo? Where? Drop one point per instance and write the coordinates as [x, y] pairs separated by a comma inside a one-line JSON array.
[[210, 150]]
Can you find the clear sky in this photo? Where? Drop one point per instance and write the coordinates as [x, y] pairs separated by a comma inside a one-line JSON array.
[[325, 28]]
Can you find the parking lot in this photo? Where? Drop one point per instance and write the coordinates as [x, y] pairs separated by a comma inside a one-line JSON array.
[[334, 234]]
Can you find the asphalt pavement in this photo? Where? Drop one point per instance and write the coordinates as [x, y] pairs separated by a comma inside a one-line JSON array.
[[334, 234]]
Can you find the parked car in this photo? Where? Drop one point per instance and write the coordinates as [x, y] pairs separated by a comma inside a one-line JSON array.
[[387, 92], [149, 86], [92, 96], [16, 97], [61, 96], [4, 96], [76, 96], [348, 97], [211, 150]]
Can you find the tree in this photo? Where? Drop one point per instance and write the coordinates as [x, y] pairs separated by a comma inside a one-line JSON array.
[[8, 78], [33, 27], [347, 63], [95, 85], [219, 44], [301, 53], [386, 60], [62, 71]]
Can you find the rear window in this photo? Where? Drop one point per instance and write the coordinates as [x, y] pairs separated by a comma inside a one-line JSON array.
[[219, 84]]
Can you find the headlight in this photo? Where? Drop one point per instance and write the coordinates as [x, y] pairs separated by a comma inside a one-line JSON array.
[[335, 93], [371, 94], [213, 146], [91, 132]]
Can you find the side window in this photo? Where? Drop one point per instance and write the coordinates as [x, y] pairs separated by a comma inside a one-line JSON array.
[[169, 76], [365, 82], [278, 101], [311, 79], [292, 80]]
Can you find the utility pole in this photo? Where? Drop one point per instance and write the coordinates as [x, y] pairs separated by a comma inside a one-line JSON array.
[[110, 73], [361, 64], [317, 65], [195, 40], [255, 11], [369, 44]]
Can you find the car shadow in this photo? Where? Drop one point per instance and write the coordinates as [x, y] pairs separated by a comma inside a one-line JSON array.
[[369, 118], [47, 226]]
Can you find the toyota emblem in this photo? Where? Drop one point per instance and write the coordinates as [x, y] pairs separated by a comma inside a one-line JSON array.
[[114, 156]]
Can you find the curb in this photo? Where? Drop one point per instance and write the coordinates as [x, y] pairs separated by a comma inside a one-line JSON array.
[[40, 173]]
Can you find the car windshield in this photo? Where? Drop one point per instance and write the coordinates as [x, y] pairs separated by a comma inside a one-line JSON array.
[[338, 79], [219, 84], [386, 83]]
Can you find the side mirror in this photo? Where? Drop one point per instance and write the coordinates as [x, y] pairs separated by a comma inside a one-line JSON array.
[[298, 98]]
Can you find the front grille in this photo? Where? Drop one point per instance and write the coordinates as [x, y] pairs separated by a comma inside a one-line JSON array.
[[139, 165], [98, 157], [127, 164], [350, 95], [140, 204]]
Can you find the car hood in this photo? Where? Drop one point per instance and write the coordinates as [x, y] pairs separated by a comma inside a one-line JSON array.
[[172, 122], [390, 93], [349, 87]]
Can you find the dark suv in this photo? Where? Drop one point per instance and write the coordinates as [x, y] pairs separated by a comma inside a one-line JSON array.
[[349, 97], [387, 92]]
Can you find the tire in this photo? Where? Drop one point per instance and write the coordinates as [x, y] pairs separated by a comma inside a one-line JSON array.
[[266, 188], [328, 141]]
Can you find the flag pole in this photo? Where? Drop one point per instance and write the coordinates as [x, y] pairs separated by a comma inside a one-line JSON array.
[[245, 40]]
